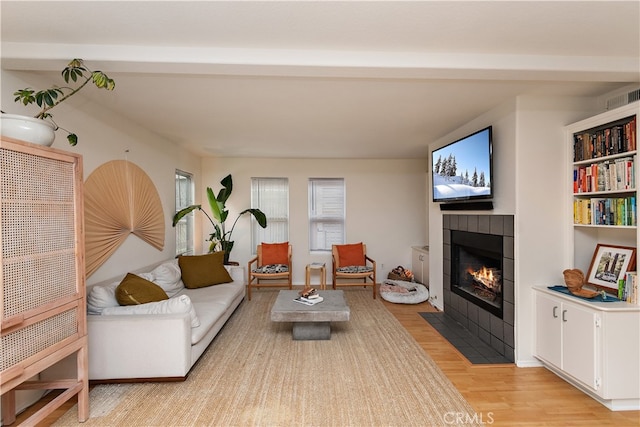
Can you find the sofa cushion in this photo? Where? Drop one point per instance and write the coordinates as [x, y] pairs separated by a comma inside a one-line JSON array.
[[101, 297], [176, 305], [351, 254], [169, 277], [135, 290], [203, 270], [275, 253], [209, 313], [224, 293]]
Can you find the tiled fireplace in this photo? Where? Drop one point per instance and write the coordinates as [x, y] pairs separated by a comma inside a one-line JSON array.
[[482, 306]]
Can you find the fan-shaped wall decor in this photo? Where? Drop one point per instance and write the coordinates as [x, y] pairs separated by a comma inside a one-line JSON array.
[[119, 199]]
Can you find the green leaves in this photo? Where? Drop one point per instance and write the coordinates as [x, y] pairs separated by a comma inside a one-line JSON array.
[[102, 81], [44, 98], [219, 212], [225, 191], [182, 212], [73, 139], [76, 72], [48, 97], [25, 96], [258, 215]]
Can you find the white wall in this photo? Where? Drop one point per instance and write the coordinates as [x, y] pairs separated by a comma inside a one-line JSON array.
[[530, 181], [503, 121], [386, 202], [104, 136], [542, 180]]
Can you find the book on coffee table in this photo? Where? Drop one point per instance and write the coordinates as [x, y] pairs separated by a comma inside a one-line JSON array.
[[309, 301]]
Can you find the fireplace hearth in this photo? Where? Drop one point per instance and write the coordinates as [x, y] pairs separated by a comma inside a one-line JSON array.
[[476, 269]]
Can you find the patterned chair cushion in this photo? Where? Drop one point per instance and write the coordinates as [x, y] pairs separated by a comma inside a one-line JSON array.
[[271, 269], [355, 269]]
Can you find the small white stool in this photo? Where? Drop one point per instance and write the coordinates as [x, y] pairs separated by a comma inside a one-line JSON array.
[[318, 266]]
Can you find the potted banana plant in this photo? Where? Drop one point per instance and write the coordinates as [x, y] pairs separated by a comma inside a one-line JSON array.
[[41, 128], [220, 238]]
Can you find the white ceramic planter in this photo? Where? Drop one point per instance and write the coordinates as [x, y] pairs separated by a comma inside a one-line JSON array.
[[27, 128]]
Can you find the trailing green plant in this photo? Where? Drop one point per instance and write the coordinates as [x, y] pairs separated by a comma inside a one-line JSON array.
[[77, 72], [220, 238]]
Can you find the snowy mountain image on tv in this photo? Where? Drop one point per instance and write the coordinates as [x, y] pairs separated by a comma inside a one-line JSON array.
[[462, 170]]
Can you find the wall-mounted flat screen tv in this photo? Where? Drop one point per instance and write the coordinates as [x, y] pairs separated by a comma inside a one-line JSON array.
[[462, 170]]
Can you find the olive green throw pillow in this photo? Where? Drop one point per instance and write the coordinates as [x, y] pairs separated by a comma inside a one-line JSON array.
[[199, 271], [136, 290]]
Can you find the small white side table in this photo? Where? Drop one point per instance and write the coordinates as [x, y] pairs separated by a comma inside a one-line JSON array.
[[318, 266]]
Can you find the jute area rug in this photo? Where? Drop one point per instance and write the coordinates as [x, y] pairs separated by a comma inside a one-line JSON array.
[[371, 373]]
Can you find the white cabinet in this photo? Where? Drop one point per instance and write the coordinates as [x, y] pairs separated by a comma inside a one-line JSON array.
[[420, 264], [593, 345]]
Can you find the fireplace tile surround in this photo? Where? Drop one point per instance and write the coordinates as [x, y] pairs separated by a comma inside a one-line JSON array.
[[496, 332]]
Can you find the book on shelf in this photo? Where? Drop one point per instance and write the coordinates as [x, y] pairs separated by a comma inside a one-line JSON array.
[[612, 139], [628, 288], [609, 175], [309, 301], [605, 211]]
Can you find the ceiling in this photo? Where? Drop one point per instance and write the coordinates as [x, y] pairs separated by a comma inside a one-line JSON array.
[[326, 79]]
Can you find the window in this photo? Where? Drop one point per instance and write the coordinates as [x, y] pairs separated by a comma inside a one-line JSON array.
[[326, 213], [184, 228], [271, 196]]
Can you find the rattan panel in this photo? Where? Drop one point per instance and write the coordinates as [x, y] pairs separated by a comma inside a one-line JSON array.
[[38, 231], [36, 228], [31, 340], [32, 282], [31, 178]]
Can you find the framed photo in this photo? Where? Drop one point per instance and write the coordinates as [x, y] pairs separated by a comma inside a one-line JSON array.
[[609, 264]]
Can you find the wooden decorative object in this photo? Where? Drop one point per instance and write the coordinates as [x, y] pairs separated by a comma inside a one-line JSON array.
[[120, 199], [42, 287]]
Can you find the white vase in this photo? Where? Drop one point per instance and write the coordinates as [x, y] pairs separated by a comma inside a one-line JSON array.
[[27, 129]]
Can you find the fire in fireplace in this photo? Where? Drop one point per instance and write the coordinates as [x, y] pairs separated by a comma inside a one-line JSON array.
[[476, 269]]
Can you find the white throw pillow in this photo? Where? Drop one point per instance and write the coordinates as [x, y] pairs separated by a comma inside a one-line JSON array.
[[168, 276], [180, 304], [101, 297]]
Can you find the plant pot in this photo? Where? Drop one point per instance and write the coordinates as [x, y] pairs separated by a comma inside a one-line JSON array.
[[29, 129]]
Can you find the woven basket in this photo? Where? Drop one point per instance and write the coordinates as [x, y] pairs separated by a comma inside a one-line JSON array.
[[394, 276]]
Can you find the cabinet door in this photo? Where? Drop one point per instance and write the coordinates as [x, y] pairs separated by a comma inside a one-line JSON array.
[[424, 258], [548, 330], [416, 265], [579, 335], [420, 266]]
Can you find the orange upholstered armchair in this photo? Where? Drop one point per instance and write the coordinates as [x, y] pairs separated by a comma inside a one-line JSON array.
[[273, 262], [351, 262]]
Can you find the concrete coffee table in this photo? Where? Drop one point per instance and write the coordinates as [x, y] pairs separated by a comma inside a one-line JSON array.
[[311, 322]]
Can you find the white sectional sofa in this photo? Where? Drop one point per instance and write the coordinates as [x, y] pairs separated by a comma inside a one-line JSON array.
[[158, 340]]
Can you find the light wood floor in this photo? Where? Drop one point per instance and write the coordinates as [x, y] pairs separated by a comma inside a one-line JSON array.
[[502, 395]]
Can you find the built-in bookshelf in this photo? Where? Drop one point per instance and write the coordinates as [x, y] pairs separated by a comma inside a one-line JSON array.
[[604, 174], [603, 162]]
